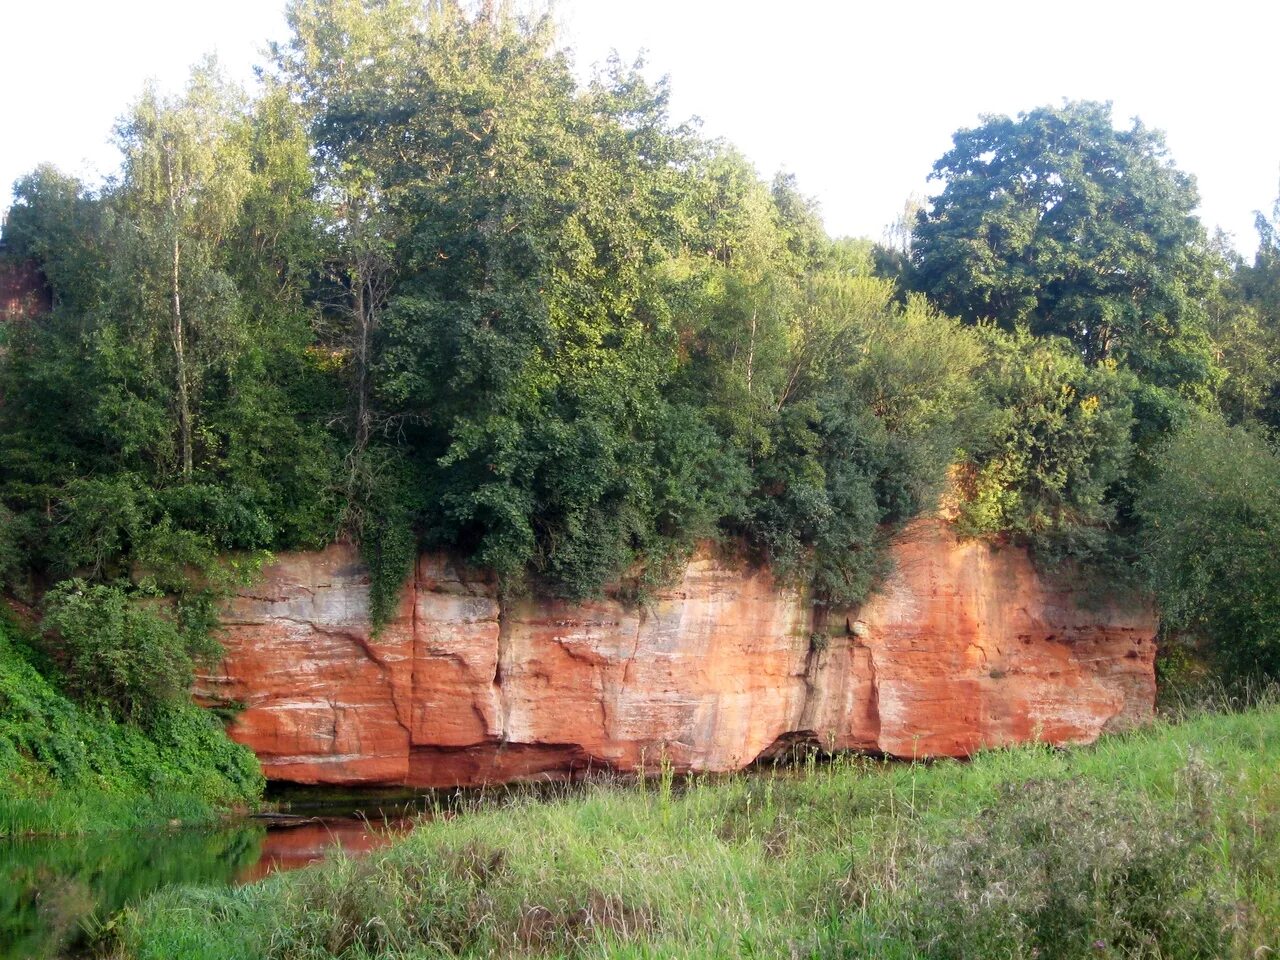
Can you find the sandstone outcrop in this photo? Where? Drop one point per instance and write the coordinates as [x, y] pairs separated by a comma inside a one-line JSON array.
[[965, 647]]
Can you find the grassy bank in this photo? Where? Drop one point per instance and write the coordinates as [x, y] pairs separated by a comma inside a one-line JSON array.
[[1163, 842], [66, 769]]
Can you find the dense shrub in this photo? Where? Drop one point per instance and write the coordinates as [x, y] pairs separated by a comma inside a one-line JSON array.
[[1211, 520], [1060, 442], [1061, 870], [67, 768], [122, 648]]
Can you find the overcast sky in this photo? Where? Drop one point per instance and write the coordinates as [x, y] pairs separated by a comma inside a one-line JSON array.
[[857, 99]]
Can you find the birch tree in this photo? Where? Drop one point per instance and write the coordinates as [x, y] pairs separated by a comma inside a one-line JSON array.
[[186, 173]]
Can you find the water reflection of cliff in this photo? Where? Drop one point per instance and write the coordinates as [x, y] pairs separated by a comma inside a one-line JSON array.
[[55, 891], [294, 847]]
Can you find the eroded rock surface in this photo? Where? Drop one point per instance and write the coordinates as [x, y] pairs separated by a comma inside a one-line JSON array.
[[965, 647]]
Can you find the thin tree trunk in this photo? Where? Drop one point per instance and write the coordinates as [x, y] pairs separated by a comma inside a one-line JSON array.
[[176, 329], [361, 308]]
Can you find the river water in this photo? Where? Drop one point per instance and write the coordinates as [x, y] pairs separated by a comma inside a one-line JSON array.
[[54, 891]]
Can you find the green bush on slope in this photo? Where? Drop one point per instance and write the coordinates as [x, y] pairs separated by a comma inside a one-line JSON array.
[[67, 769]]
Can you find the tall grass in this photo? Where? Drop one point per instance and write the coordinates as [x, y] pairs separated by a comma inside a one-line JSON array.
[[1162, 842]]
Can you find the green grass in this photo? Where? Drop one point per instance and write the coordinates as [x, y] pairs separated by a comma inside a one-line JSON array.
[[67, 769], [1163, 842]]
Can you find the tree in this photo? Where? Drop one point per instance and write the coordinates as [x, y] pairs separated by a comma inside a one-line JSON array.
[[186, 172], [1245, 324], [348, 65], [50, 379], [1242, 324], [348, 69], [1261, 280], [495, 230], [158, 416], [527, 343], [1211, 521], [1061, 222]]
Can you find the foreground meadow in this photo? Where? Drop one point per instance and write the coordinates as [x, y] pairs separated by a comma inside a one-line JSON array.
[[1158, 843]]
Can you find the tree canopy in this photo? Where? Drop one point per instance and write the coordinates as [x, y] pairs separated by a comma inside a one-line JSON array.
[[425, 289], [1059, 221]]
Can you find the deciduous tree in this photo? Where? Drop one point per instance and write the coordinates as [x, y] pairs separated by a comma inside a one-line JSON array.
[[1059, 221]]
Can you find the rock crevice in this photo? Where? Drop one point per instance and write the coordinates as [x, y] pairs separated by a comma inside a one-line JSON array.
[[966, 646]]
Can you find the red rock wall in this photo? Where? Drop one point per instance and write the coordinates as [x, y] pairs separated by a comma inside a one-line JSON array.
[[965, 647]]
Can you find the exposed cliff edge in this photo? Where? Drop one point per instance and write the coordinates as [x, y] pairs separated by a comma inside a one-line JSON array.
[[965, 647]]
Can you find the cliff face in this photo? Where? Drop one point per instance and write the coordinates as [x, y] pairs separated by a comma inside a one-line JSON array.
[[966, 647]]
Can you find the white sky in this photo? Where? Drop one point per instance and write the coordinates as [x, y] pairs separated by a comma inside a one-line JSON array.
[[858, 99]]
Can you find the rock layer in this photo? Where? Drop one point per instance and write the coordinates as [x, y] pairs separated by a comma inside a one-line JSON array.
[[965, 647]]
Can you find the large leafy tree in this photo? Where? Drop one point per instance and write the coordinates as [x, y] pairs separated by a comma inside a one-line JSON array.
[[1245, 323], [186, 173], [496, 233], [348, 66], [1059, 221]]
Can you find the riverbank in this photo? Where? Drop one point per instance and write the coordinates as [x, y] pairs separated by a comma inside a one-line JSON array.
[[1162, 842], [68, 769]]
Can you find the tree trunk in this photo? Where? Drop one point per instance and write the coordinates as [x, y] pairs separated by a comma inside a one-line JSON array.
[[176, 329], [362, 308]]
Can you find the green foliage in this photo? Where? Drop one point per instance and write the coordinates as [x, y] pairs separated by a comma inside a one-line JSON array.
[[1058, 221], [1211, 518], [122, 648], [864, 438], [520, 352], [67, 768], [1245, 325], [11, 553], [381, 513], [1260, 280], [1061, 443]]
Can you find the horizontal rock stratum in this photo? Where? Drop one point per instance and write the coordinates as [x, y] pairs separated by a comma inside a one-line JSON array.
[[966, 646]]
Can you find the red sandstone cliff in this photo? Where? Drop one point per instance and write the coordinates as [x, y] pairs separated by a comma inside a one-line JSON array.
[[965, 647]]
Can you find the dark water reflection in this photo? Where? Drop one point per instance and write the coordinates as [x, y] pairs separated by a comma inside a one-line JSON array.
[[54, 892], [294, 847]]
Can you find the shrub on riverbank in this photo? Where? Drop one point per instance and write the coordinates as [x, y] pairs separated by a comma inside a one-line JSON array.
[[67, 769], [1162, 842]]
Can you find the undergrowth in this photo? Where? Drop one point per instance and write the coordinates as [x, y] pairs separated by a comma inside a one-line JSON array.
[[67, 768], [1157, 843]]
